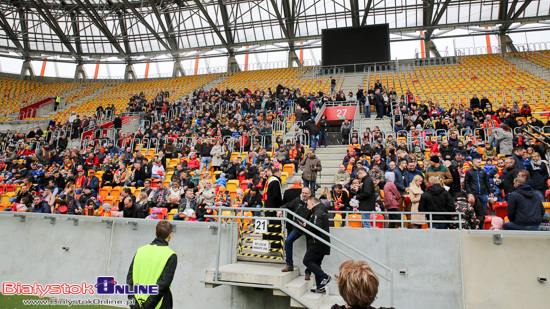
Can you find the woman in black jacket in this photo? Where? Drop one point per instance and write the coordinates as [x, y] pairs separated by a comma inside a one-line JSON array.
[[323, 131], [539, 175]]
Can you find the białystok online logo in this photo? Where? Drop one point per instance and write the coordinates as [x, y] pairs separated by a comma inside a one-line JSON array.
[[104, 286]]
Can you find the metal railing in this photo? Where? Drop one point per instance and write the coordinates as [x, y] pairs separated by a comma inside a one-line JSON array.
[[221, 217], [403, 220]]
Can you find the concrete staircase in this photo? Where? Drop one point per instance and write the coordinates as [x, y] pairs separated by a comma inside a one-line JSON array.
[[92, 95], [351, 82], [216, 81], [331, 157], [363, 123], [269, 276], [530, 67]]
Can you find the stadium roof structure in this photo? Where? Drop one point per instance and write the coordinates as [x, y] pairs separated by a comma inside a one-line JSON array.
[[83, 31]]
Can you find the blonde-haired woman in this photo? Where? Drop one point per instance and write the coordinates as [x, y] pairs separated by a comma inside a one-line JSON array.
[[415, 192]]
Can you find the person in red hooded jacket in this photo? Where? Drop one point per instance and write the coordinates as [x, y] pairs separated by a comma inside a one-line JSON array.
[[193, 161]]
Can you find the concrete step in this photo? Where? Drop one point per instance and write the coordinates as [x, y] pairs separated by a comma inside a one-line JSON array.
[[331, 300], [256, 273], [315, 300], [530, 67], [331, 157], [86, 98], [298, 286]]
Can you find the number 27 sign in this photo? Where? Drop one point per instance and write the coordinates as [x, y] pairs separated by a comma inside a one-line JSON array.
[[339, 113]]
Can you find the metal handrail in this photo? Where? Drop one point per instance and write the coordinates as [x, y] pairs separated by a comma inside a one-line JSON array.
[[284, 218], [430, 221]]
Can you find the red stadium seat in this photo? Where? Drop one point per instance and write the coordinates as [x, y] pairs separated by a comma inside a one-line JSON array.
[[163, 213], [379, 218], [500, 209], [244, 184]]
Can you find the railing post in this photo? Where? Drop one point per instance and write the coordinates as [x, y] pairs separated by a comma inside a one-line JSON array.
[[217, 270]]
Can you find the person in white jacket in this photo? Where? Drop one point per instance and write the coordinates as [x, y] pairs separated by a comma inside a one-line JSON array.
[[158, 171]]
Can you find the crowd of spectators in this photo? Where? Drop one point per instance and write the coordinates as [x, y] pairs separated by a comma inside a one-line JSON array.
[[439, 159], [436, 159], [188, 170]]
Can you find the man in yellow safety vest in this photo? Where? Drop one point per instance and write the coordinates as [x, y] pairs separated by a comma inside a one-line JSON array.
[[154, 263]]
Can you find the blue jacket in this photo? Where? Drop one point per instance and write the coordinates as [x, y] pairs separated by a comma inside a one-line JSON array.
[[409, 176], [92, 182], [519, 162], [524, 206], [400, 179], [254, 159], [476, 182], [222, 181]]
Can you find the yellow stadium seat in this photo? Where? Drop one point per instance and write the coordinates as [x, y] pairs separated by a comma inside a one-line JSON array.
[[232, 184]]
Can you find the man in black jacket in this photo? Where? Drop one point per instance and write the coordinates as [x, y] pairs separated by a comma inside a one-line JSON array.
[[206, 157], [316, 250], [253, 198], [117, 122], [23, 192], [313, 130], [447, 151], [509, 174], [234, 169], [298, 206], [138, 176], [436, 199], [379, 101], [366, 195], [273, 198], [294, 191], [476, 182], [130, 208], [525, 209], [147, 261]]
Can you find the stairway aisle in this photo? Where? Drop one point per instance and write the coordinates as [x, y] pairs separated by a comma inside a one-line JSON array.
[[351, 82], [269, 276], [331, 157], [90, 96], [531, 67]]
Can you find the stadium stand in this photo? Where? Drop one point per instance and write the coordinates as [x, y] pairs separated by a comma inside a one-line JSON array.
[[489, 75]]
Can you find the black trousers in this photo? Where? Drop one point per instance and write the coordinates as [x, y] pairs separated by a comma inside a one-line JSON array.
[[313, 261], [394, 225]]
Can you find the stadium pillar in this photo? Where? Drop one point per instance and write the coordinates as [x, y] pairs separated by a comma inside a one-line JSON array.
[[232, 65], [293, 58], [27, 69], [506, 44], [430, 48], [177, 70], [79, 72], [129, 74]]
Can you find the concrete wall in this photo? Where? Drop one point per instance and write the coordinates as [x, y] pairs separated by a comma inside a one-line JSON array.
[[32, 251], [437, 263], [505, 276], [431, 259]]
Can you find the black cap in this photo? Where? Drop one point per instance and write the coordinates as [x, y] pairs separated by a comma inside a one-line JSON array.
[[434, 159]]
